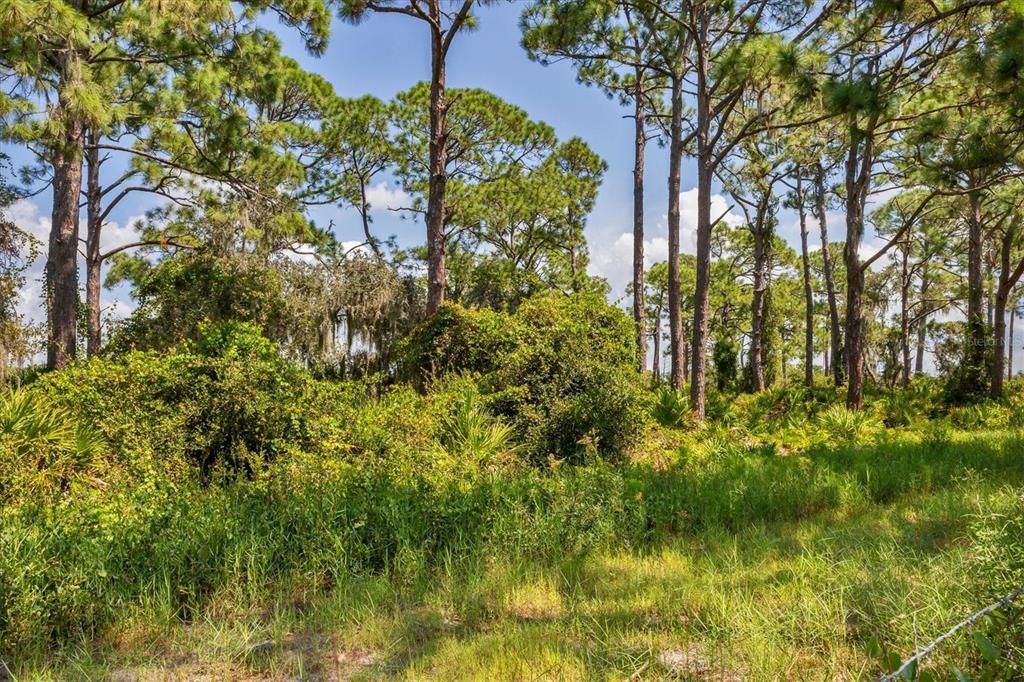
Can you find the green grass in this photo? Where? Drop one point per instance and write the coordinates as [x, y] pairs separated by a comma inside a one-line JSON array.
[[728, 564]]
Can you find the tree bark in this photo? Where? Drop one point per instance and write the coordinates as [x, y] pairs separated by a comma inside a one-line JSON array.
[[757, 303], [656, 363], [675, 312], [858, 177], [1007, 281], [999, 337], [705, 170], [974, 354], [922, 322], [905, 315], [640, 143], [835, 330], [438, 183], [808, 290], [1009, 350], [62, 258], [93, 257]]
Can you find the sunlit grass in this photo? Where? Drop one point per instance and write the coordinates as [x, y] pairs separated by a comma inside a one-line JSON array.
[[780, 568]]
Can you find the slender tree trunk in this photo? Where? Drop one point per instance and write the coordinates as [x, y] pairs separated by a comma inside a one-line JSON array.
[[757, 303], [436, 276], [858, 176], [93, 257], [835, 329], [999, 337], [656, 368], [805, 259], [1007, 280], [705, 170], [1009, 350], [675, 322], [905, 314], [686, 354], [62, 258], [922, 322], [974, 353], [640, 143]]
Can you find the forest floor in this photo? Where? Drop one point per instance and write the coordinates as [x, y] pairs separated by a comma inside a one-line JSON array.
[[791, 600]]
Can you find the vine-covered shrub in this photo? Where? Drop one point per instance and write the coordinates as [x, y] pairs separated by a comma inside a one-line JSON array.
[[458, 339], [219, 406], [571, 386], [560, 370]]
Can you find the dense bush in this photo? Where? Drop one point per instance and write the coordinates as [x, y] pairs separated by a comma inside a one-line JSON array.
[[571, 385], [560, 370], [43, 448], [180, 295], [220, 406], [457, 340]]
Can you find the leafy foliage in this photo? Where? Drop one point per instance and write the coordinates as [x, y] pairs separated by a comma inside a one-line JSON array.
[[44, 448]]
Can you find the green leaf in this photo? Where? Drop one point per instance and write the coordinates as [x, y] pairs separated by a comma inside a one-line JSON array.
[[961, 676], [989, 650], [910, 672]]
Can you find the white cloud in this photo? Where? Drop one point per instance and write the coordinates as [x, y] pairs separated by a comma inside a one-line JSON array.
[[383, 197], [26, 215], [115, 234], [614, 261]]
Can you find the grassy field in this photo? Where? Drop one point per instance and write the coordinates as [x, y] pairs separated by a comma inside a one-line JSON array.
[[721, 566]]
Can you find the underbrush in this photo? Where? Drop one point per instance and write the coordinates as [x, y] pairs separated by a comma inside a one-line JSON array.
[[70, 570], [162, 487]]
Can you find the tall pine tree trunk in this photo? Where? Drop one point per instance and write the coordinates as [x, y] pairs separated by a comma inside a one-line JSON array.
[[675, 313], [757, 303], [922, 321], [1009, 350], [656, 366], [999, 337], [705, 170], [905, 314], [436, 276], [974, 356], [639, 144], [1007, 281], [805, 260], [858, 178], [93, 257], [835, 328], [62, 258]]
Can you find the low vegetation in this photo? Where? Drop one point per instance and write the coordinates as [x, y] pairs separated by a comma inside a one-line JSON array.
[[216, 512]]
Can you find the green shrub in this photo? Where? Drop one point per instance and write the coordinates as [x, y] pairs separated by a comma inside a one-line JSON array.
[[571, 385], [43, 448], [457, 340], [469, 432], [182, 295], [726, 364], [560, 370], [221, 407], [981, 415], [671, 407], [849, 427]]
